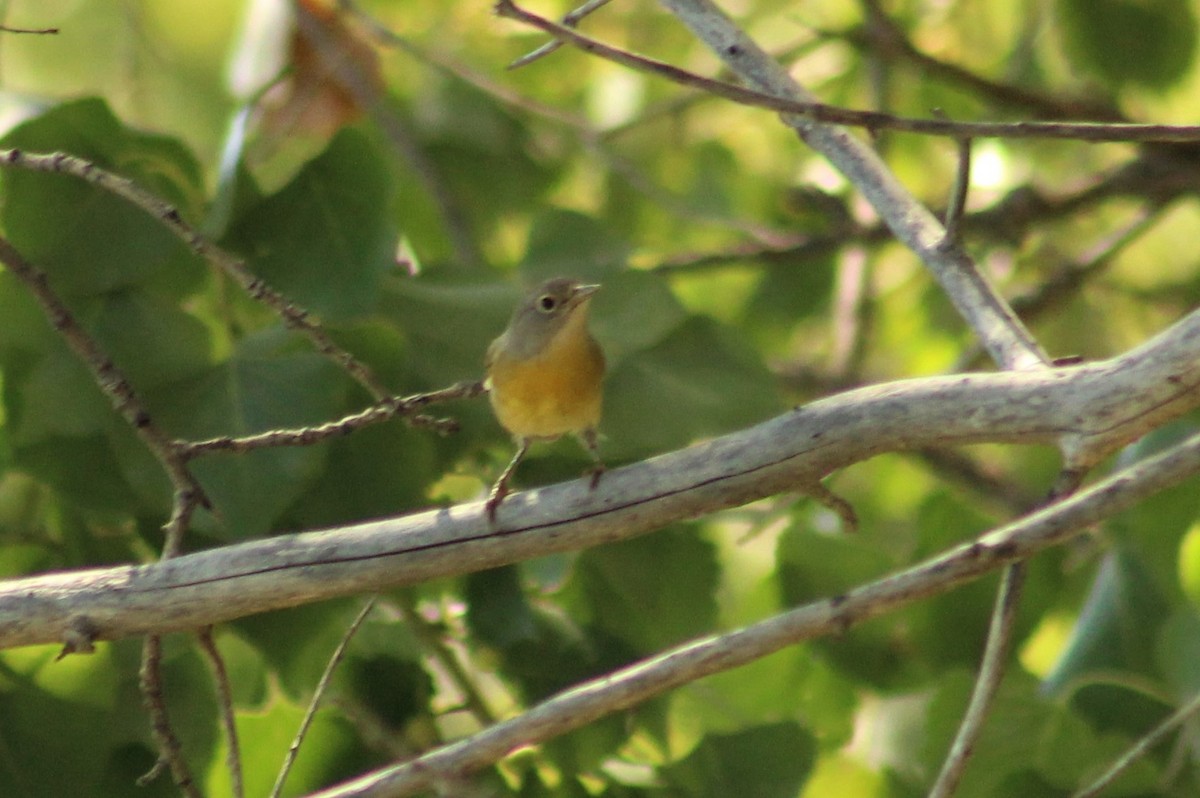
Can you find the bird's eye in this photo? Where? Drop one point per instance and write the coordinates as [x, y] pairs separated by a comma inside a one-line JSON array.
[[547, 303]]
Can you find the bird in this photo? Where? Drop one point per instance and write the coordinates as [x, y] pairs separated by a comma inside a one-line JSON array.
[[545, 376]]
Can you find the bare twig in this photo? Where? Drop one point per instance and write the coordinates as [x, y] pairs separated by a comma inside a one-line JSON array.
[[36, 31], [853, 313], [958, 195], [170, 750], [393, 407], [1093, 132], [617, 691], [994, 323], [233, 758], [319, 693], [569, 20], [1141, 748], [991, 673]]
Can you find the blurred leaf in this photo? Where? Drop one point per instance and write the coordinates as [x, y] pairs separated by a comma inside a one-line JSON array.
[[395, 690], [1024, 733], [650, 592], [698, 381], [449, 324], [570, 244], [768, 761], [57, 221], [480, 150], [813, 565], [255, 391], [1117, 626], [633, 311], [1118, 704], [327, 238], [1148, 42], [380, 471], [1178, 652], [498, 612], [296, 643]]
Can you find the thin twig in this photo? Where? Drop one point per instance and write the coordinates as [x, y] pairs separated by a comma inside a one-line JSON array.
[[1007, 340], [852, 315], [233, 757], [1140, 748], [292, 315], [887, 40], [991, 673], [393, 407], [1068, 280], [110, 379], [958, 195], [35, 31], [1093, 132], [170, 750], [569, 20], [318, 693]]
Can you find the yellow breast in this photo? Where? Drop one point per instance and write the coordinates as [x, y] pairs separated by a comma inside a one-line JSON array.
[[553, 393]]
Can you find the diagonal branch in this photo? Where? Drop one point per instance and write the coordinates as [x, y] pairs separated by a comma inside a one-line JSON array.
[[633, 684], [1090, 410]]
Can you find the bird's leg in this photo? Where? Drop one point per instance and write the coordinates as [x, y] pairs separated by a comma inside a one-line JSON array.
[[500, 489], [591, 442]]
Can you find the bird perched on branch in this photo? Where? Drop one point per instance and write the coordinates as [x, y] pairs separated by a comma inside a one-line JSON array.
[[544, 375]]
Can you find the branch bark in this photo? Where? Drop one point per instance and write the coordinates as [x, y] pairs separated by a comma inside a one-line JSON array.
[[1088, 411], [628, 686]]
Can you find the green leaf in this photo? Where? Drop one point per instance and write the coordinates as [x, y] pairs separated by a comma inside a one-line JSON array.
[[443, 352], [1178, 652], [498, 612], [89, 240], [698, 381], [1024, 733], [326, 239], [570, 244], [1148, 42], [327, 755], [255, 391], [1117, 626], [769, 761], [633, 311], [650, 592], [379, 471]]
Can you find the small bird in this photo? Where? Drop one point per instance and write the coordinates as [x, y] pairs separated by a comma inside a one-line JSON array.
[[544, 375]]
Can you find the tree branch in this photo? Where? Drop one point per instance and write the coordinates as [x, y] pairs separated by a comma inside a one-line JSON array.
[[1088, 410], [628, 686], [994, 323]]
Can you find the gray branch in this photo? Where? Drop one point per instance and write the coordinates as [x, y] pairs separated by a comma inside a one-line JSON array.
[[1088, 410]]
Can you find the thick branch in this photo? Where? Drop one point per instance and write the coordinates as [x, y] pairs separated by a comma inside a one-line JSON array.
[[1088, 410], [628, 686]]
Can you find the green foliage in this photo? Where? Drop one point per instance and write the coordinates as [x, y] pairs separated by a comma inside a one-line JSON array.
[[1149, 42], [728, 255]]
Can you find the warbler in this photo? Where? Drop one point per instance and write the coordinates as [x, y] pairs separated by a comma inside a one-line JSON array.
[[544, 375]]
